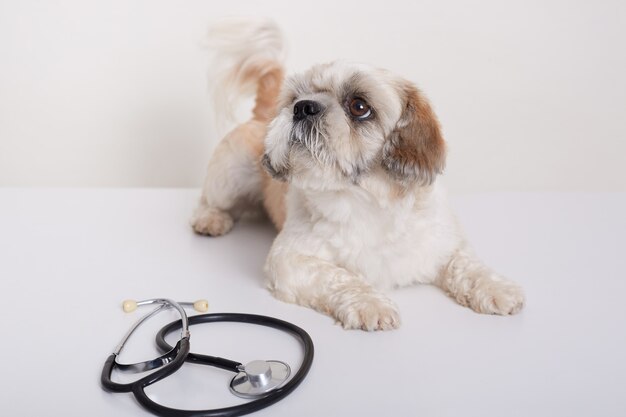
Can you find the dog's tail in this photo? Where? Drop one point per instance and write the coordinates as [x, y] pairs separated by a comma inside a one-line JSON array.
[[248, 58]]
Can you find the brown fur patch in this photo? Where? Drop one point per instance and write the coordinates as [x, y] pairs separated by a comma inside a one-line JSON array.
[[274, 200], [270, 77], [415, 150]]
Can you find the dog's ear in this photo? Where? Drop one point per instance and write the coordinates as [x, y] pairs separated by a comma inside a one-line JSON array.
[[415, 150]]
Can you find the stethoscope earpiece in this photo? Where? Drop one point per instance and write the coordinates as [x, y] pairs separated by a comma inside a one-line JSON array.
[[201, 306], [129, 306]]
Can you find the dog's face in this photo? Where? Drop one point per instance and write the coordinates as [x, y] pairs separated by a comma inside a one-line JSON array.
[[337, 122]]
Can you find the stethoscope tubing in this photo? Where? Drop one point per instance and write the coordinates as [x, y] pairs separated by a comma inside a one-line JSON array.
[[177, 355], [166, 364], [180, 351], [238, 410]]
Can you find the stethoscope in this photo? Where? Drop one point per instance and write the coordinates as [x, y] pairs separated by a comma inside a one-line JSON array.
[[263, 381]]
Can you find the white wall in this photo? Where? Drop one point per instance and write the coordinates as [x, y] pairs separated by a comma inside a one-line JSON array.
[[531, 94]]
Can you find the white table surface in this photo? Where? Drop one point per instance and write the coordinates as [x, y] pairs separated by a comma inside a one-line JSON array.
[[69, 257]]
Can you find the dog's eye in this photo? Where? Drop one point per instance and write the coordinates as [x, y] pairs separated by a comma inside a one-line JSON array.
[[359, 109]]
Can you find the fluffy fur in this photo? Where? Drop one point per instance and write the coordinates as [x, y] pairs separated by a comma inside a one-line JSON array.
[[356, 200]]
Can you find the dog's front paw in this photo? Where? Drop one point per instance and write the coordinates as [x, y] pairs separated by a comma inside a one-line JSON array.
[[369, 312], [211, 221], [498, 297]]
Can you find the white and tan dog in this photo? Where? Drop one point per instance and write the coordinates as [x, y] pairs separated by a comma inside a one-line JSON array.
[[353, 153]]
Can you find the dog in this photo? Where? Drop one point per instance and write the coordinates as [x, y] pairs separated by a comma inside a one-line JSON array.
[[344, 159]]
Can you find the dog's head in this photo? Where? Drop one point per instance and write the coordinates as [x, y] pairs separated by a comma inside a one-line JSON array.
[[337, 122]]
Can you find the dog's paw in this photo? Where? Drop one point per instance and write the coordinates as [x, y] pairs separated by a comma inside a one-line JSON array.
[[211, 221], [499, 297], [369, 312]]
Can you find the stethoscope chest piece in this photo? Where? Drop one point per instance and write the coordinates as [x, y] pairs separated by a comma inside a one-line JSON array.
[[258, 378]]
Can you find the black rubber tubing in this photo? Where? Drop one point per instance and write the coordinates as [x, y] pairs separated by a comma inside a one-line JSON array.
[[182, 351], [138, 388]]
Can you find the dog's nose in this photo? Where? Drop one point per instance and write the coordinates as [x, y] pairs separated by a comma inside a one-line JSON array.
[[306, 108]]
